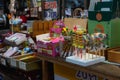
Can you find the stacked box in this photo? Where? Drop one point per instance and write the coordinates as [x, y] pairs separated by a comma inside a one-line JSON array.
[[25, 62], [49, 48], [4, 60]]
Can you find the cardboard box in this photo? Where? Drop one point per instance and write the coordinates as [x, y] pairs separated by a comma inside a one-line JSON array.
[[4, 60], [114, 55], [14, 61], [51, 49], [47, 47], [71, 22], [29, 64], [25, 62]]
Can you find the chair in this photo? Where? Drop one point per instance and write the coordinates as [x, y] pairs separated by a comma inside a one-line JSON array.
[[46, 26]]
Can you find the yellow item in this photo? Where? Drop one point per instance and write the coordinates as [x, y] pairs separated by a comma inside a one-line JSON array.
[[22, 53], [28, 57], [65, 29], [80, 32], [9, 16], [81, 47]]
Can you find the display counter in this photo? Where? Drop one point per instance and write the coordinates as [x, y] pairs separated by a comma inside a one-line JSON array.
[[105, 70]]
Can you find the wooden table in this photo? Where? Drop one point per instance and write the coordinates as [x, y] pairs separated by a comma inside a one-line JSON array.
[[111, 72]]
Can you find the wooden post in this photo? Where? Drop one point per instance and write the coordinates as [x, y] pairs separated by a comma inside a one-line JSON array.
[[63, 8], [47, 70], [85, 4], [42, 6]]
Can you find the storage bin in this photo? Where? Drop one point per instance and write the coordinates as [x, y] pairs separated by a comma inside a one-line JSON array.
[[4, 60], [114, 55], [27, 62]]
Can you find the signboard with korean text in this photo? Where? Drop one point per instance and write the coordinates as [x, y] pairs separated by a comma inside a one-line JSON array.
[[50, 10]]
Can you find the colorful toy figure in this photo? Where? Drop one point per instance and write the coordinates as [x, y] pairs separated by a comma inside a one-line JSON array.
[[59, 23], [57, 29], [55, 32]]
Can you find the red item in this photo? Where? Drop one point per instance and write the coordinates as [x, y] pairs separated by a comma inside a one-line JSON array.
[[75, 28], [24, 19]]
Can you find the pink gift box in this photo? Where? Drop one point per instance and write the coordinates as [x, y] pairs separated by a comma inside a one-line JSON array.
[[49, 48]]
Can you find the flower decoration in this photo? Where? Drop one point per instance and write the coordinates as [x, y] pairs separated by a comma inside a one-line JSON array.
[[66, 31], [59, 23], [75, 28]]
